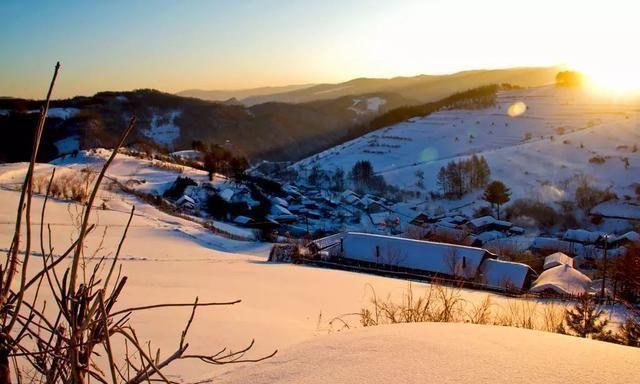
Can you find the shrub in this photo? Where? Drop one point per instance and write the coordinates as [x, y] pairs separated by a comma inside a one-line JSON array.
[[597, 159], [588, 196]]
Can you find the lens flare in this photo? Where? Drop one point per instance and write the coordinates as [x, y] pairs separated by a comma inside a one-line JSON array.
[[429, 154], [517, 109]]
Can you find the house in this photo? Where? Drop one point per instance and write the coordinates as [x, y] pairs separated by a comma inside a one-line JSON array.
[[616, 209], [488, 223], [186, 202], [243, 221], [226, 194], [282, 214], [371, 206], [582, 236], [558, 258], [422, 220], [562, 280], [506, 275], [457, 235], [414, 255], [487, 236], [349, 197], [626, 239], [544, 245], [280, 201]]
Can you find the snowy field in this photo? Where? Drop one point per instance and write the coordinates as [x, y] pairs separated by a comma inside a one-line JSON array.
[[169, 259], [536, 153], [446, 353]]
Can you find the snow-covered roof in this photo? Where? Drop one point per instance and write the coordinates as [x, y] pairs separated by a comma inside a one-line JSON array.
[[351, 199], [631, 236], [379, 218], [551, 243], [227, 194], [562, 279], [185, 200], [617, 209], [488, 220], [558, 258], [348, 192], [278, 210], [581, 236], [490, 235], [187, 154], [242, 220], [279, 201], [505, 275], [447, 259]]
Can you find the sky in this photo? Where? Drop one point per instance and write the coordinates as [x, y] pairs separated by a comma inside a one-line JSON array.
[[236, 44]]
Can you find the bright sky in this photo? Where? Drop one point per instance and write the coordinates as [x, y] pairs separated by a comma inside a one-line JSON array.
[[176, 45]]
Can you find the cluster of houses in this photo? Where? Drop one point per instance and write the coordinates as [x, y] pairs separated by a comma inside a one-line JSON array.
[[586, 246], [473, 265], [309, 209], [445, 261], [474, 232]]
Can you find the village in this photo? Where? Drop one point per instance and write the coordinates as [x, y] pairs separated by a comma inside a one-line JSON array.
[[365, 233]]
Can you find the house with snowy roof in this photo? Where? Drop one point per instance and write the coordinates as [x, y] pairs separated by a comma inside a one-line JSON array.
[[186, 202], [423, 220], [415, 256], [488, 223], [557, 258], [582, 236], [282, 214], [562, 280], [506, 275], [626, 239]]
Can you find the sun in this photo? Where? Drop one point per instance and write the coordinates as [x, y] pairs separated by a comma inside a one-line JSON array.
[[620, 77]]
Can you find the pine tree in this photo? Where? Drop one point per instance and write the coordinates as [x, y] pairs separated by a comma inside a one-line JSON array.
[[497, 193], [585, 320], [630, 332]]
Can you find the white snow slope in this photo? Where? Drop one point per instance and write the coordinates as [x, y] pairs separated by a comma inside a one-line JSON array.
[[534, 153], [169, 259], [446, 353]]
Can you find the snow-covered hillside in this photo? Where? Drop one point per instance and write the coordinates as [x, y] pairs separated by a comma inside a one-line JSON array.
[[446, 353], [171, 259], [535, 152]]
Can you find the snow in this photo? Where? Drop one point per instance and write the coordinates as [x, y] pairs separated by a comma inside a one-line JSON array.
[[567, 127], [187, 154], [631, 236], [582, 236], [150, 176], [162, 128], [556, 259], [618, 209], [244, 220], [490, 235], [368, 105], [447, 259], [168, 258], [68, 145], [227, 194], [562, 279], [488, 220], [505, 275], [445, 353]]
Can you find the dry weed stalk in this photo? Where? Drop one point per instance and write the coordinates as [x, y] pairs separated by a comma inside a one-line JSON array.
[[71, 343]]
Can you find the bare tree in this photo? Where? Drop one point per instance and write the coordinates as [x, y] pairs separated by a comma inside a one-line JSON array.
[[71, 342]]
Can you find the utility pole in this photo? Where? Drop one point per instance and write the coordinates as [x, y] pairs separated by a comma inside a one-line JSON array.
[[605, 242]]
